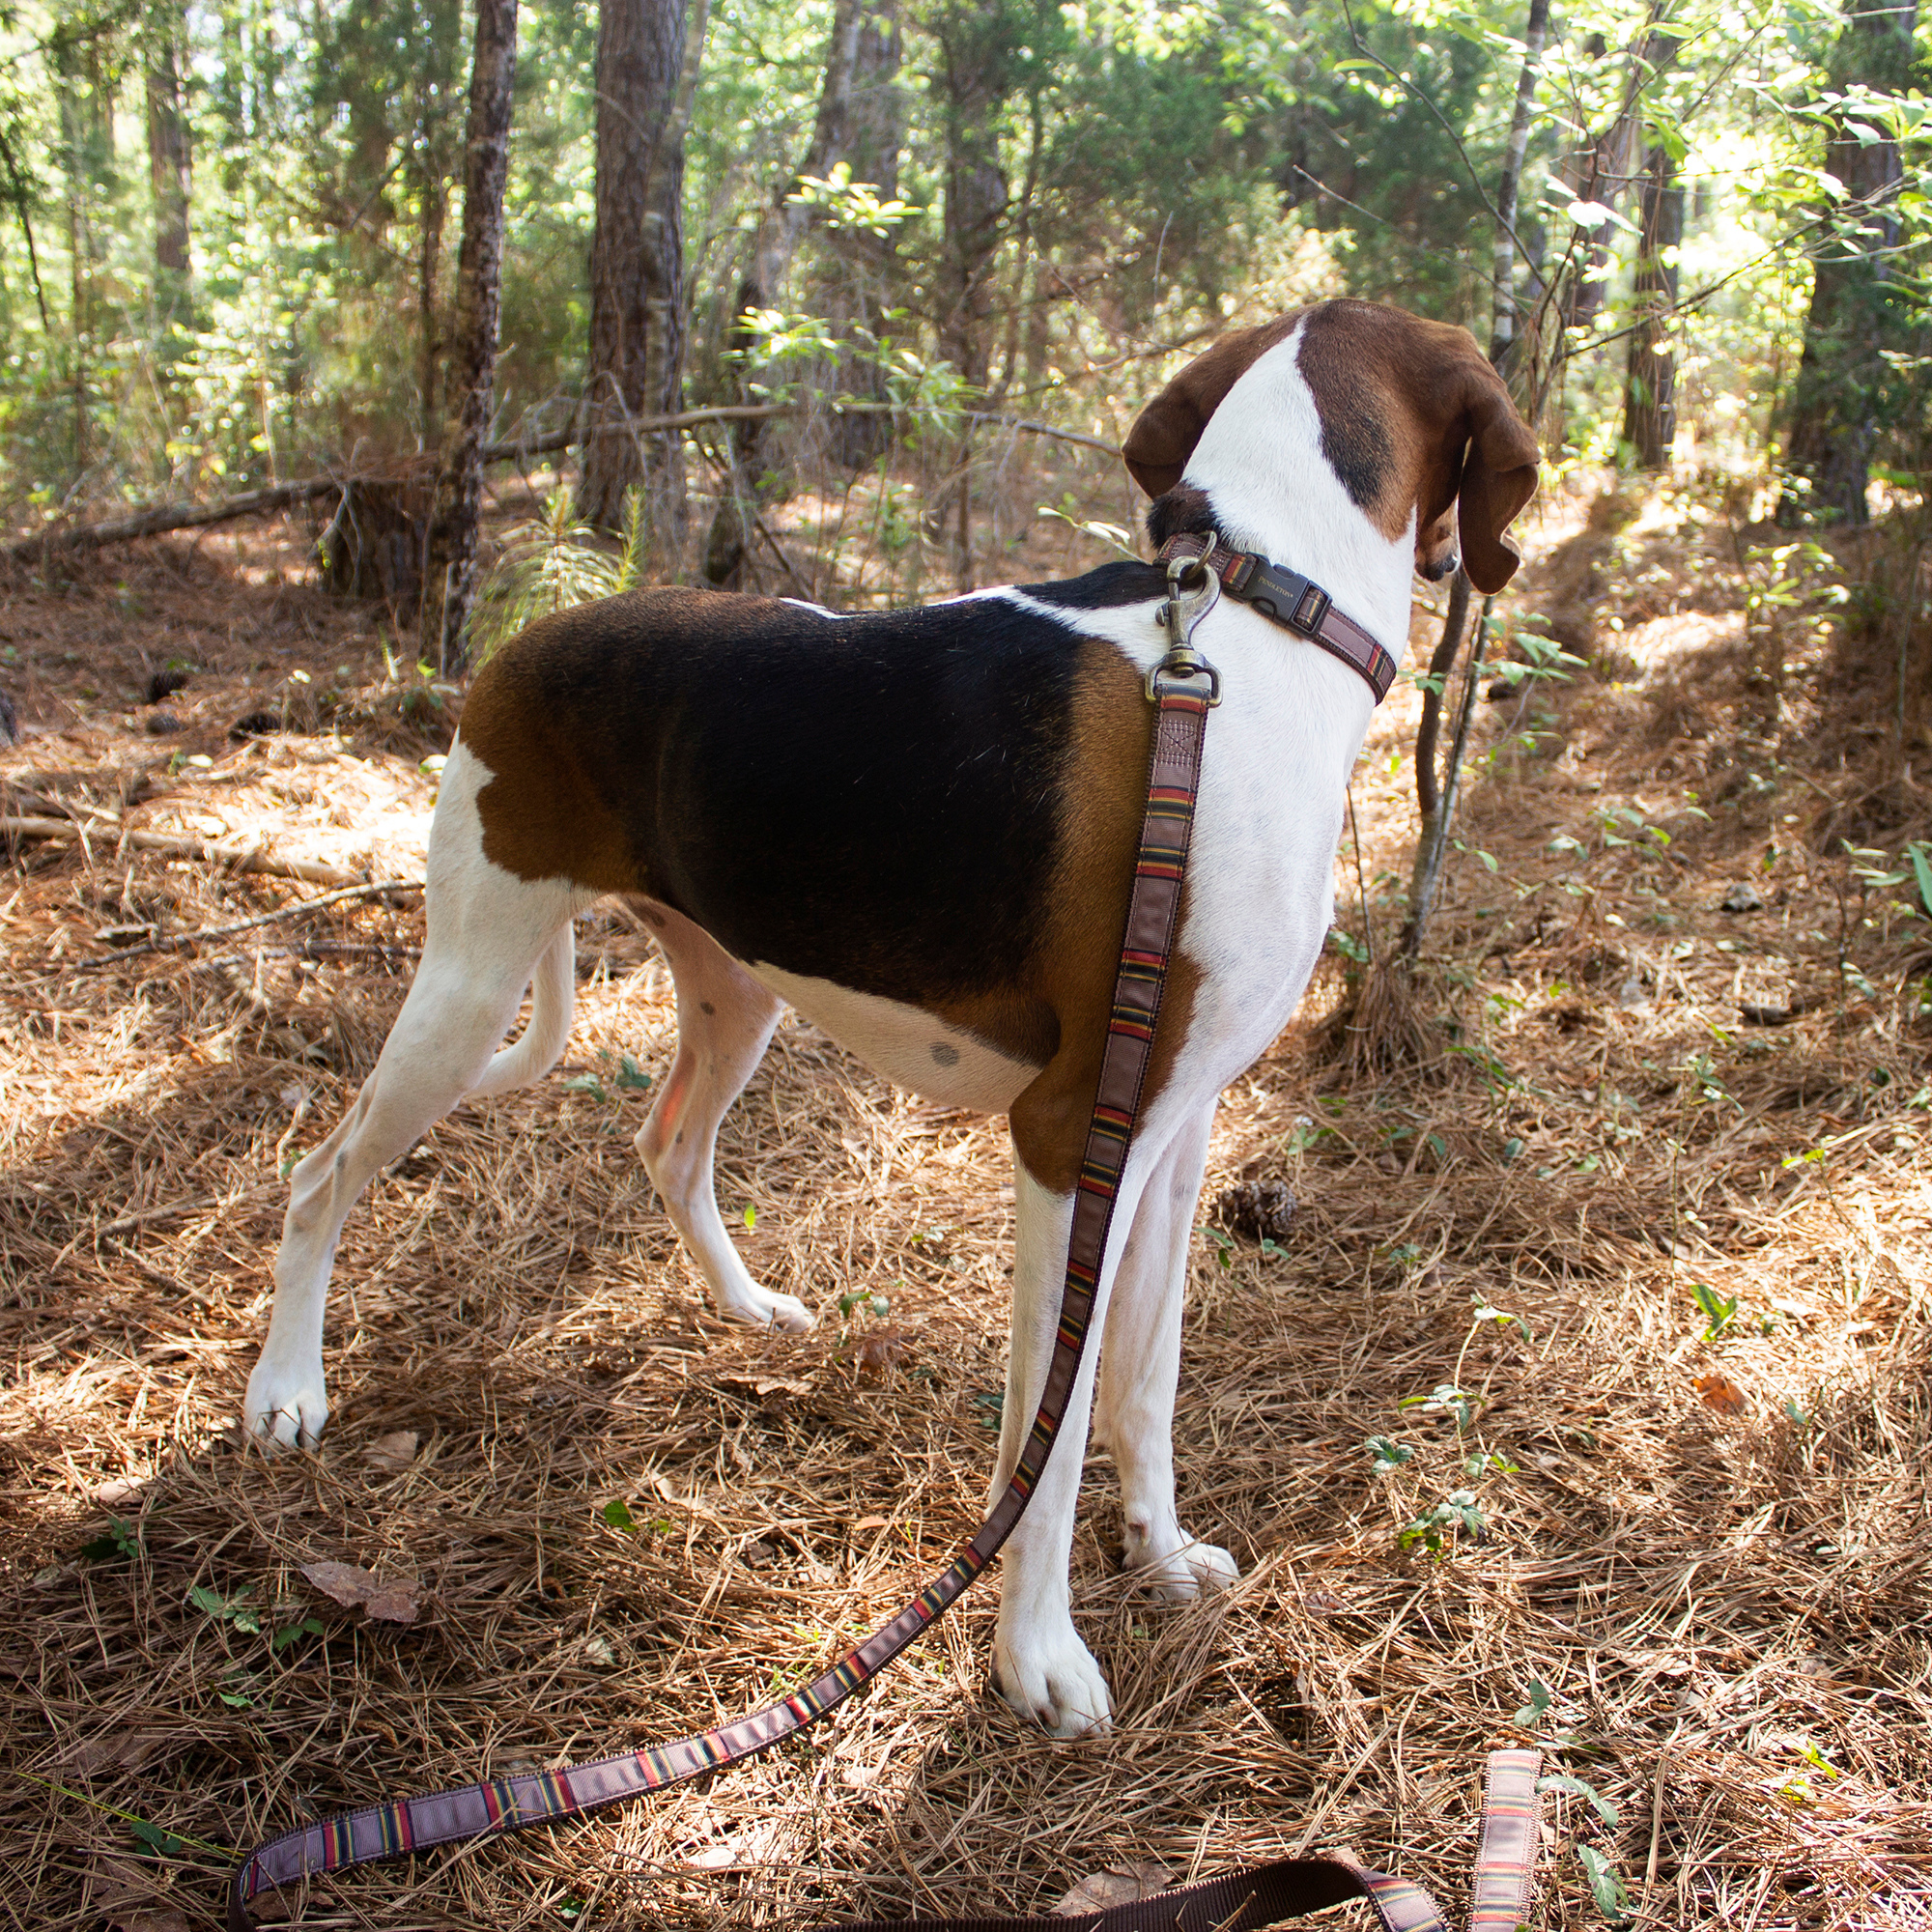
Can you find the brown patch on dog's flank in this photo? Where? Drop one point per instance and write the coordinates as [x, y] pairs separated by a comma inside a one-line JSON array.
[[542, 818]]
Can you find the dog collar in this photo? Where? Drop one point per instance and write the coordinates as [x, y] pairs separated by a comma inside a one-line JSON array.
[[1295, 602]]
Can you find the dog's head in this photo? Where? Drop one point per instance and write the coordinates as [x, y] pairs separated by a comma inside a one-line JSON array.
[[1414, 423]]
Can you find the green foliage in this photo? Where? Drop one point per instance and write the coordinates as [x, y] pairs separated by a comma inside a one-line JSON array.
[[553, 564], [1608, 1891]]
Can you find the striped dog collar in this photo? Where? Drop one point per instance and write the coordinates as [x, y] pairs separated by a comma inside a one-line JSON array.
[[1295, 602]]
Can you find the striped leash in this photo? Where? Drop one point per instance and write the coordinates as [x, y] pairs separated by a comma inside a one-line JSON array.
[[1235, 1902]]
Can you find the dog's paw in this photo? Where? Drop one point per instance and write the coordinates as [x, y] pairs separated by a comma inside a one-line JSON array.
[[286, 1408], [1182, 1569], [763, 1309], [1050, 1678]]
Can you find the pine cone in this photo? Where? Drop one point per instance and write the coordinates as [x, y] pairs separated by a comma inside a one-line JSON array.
[[1261, 1209]]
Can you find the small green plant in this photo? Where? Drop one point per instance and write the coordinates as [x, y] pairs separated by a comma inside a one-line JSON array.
[[235, 1608], [1436, 1529], [1609, 1893], [1224, 1245], [1579, 1787], [1445, 1398], [552, 564], [121, 1543], [231, 1609], [1388, 1454], [1542, 1699], [1719, 1311]]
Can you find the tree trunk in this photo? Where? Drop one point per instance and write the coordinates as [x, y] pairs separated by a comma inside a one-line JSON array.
[[450, 580], [1650, 379], [863, 287], [169, 162], [646, 67], [977, 51], [1836, 411], [1505, 317], [780, 225], [974, 63]]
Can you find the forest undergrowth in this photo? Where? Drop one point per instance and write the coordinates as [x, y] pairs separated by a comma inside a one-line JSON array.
[[1583, 1401]]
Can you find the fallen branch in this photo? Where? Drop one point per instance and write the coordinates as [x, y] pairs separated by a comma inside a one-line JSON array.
[[164, 518], [243, 858], [163, 942]]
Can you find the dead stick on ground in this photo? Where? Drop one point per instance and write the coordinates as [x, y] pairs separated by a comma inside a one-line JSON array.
[[166, 942], [243, 858]]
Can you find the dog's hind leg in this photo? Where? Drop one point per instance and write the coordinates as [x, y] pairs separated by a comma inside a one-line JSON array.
[[725, 1021], [1140, 1367], [487, 932]]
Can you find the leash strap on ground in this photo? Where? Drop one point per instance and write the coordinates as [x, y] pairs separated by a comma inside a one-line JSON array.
[[509, 1803], [1245, 1901], [1297, 603]]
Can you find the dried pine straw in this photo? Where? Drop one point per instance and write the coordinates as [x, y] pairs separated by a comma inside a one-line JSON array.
[[1723, 1588]]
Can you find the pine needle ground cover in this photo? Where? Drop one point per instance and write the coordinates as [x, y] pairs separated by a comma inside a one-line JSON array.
[[1582, 1400]]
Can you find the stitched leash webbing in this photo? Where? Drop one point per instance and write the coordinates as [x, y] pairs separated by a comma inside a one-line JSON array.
[[1235, 1902]]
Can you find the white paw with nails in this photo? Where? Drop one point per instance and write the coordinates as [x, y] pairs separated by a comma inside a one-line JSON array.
[[786, 1313], [1178, 1567], [287, 1407], [1049, 1677]]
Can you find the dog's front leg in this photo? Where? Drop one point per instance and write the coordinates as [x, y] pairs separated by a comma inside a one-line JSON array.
[[1041, 1667], [1134, 1415]]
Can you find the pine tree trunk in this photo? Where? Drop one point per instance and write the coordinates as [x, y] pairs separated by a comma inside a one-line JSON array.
[[449, 586], [975, 61], [1834, 421], [781, 226], [170, 161], [635, 365], [1505, 324], [1650, 379]]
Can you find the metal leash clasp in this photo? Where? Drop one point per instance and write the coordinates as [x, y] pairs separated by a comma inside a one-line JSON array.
[[1182, 659]]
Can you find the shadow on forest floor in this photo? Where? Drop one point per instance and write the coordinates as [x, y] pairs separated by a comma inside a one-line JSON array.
[[1704, 1520]]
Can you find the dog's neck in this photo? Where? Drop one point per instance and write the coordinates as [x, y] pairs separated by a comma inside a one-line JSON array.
[[1259, 480]]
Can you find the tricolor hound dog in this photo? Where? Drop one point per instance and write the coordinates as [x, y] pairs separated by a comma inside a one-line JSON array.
[[919, 827]]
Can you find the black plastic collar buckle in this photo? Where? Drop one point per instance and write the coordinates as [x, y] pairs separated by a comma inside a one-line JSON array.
[[1311, 610]]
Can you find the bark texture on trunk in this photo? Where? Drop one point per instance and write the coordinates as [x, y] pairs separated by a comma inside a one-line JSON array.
[[1505, 319], [170, 159], [860, 61], [1650, 376], [1834, 421], [646, 67], [974, 63], [449, 587], [978, 48]]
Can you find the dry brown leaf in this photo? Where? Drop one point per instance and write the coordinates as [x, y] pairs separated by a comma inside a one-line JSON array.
[[389, 1600], [149, 1918], [1722, 1393], [392, 1452], [394, 1602], [348, 1583], [882, 1347], [116, 1749], [1118, 1884]]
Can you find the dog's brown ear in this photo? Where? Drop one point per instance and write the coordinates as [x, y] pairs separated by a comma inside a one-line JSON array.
[[1499, 478], [1164, 433]]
